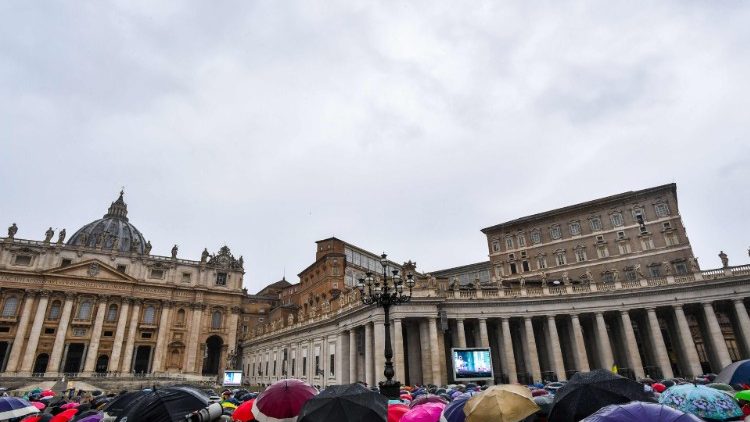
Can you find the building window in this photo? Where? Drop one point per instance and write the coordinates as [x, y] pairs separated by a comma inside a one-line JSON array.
[[146, 335], [561, 260], [221, 279], [294, 365], [600, 238], [513, 269], [662, 210], [23, 260], [555, 232], [620, 235], [602, 251], [66, 262], [536, 237], [680, 268], [121, 268], [84, 310], [79, 332], [616, 219], [643, 229], [112, 313], [647, 244], [671, 239], [630, 275], [216, 318], [541, 262], [274, 367], [149, 315], [580, 255], [186, 277], [499, 271], [49, 331], [495, 246], [521, 241], [596, 224], [181, 317], [608, 277], [655, 270], [523, 254], [525, 266], [508, 243], [624, 248], [108, 333], [304, 366], [575, 228], [156, 273], [10, 307], [54, 311], [331, 363]]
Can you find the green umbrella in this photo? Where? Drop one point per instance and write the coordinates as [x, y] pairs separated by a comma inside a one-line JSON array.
[[743, 395]]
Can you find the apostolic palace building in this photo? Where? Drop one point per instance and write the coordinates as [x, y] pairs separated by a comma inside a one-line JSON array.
[[609, 282]]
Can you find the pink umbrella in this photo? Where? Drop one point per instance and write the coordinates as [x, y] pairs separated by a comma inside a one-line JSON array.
[[539, 392], [39, 405], [71, 405], [282, 401], [428, 412]]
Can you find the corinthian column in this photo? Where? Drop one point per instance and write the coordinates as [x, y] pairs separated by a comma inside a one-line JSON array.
[[369, 361], [122, 321], [36, 330], [398, 350], [193, 338], [633, 356], [533, 358], [132, 330], [742, 330], [484, 338], [434, 352], [686, 342], [581, 358], [715, 336], [352, 355], [161, 337], [554, 348], [510, 357], [18, 341], [605, 347], [461, 332], [96, 335], [657, 343], [62, 329]]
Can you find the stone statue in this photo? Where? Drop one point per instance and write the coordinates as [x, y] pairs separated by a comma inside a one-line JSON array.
[[48, 235], [589, 276], [615, 274], [638, 271], [100, 239], [174, 252], [667, 267], [12, 230], [147, 249], [544, 277], [84, 239], [724, 259], [455, 285], [694, 265], [522, 282], [61, 237], [241, 262], [231, 359], [134, 244], [204, 255], [566, 278], [116, 243]]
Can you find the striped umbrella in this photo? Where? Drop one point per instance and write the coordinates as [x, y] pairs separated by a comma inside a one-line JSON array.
[[13, 407], [282, 401]]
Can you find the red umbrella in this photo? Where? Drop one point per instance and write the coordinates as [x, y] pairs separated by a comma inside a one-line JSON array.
[[539, 392], [282, 401], [39, 405], [64, 416], [244, 412], [48, 393], [659, 387], [396, 411]]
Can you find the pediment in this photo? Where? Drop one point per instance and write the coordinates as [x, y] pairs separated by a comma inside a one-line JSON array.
[[90, 269]]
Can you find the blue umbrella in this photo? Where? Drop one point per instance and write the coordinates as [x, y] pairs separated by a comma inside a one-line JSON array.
[[454, 411], [704, 402], [638, 411], [736, 373], [13, 407]]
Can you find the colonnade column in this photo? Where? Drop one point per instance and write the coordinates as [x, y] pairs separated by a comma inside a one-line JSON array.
[[62, 329], [434, 352], [18, 340], [425, 352], [122, 321], [132, 330], [715, 336], [369, 363], [554, 348], [379, 351], [631, 346], [743, 325], [96, 335], [579, 345], [353, 355], [686, 342], [36, 331], [510, 357], [398, 350], [461, 332], [195, 329], [484, 339], [161, 337], [533, 357], [657, 344], [605, 347]]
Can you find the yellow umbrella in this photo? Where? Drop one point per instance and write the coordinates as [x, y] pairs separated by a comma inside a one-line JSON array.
[[228, 405], [501, 403]]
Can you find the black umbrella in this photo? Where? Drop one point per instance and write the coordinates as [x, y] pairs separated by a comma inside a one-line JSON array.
[[349, 402], [170, 404], [588, 392], [121, 404]]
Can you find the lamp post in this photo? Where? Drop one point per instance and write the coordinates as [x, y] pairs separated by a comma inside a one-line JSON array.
[[386, 292]]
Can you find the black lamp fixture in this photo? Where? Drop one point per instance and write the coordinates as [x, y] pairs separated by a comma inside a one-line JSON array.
[[386, 292]]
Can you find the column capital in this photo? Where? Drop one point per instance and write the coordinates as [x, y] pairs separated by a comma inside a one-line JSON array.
[[650, 308], [198, 306], [707, 304], [599, 313], [167, 303], [550, 317], [482, 319], [70, 295], [738, 300], [103, 298], [44, 293], [625, 312], [677, 306], [573, 316]]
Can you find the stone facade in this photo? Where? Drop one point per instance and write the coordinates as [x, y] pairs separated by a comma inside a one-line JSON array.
[[101, 304]]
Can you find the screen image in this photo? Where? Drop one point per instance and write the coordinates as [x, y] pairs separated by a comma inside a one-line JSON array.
[[233, 378], [472, 364]]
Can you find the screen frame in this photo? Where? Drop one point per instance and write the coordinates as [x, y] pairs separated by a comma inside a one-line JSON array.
[[471, 349], [224, 380]]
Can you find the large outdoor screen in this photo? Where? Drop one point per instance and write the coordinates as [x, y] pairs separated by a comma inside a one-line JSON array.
[[472, 364], [232, 378]]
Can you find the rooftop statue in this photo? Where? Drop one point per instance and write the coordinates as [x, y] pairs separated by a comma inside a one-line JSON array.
[[12, 230]]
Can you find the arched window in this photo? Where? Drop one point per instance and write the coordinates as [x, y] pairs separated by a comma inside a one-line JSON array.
[[112, 313], [216, 320], [149, 315], [54, 311], [181, 317], [84, 310], [10, 307]]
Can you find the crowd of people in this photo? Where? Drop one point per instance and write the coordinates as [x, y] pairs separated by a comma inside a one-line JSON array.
[[598, 395]]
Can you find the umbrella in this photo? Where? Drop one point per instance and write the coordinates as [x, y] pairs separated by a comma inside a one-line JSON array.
[[720, 386], [120, 405], [428, 412], [743, 395], [165, 404], [427, 398], [701, 401], [71, 405], [454, 411], [282, 401], [647, 380], [344, 403], [45, 417], [544, 403], [244, 412], [659, 387], [64, 416], [83, 415], [396, 412], [39, 405], [638, 411], [501, 403], [91, 418], [539, 392], [47, 393], [587, 392], [13, 407]]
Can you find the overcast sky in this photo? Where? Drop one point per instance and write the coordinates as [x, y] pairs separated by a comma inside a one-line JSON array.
[[397, 126]]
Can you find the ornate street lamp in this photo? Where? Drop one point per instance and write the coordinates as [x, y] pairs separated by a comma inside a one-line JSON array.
[[386, 292]]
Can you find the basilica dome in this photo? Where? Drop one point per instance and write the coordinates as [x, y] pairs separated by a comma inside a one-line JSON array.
[[113, 231]]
